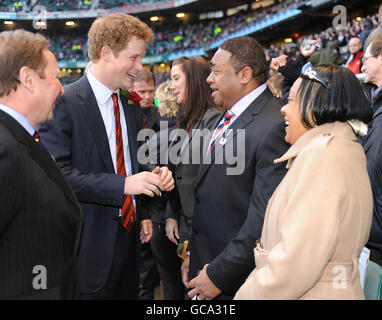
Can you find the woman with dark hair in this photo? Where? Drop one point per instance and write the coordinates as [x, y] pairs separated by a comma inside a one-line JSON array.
[[319, 217], [196, 112]]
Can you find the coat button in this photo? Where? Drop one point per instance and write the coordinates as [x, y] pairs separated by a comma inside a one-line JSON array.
[[179, 178]]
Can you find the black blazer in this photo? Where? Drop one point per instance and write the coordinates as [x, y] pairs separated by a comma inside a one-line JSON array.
[[40, 219], [224, 202], [182, 199], [77, 138]]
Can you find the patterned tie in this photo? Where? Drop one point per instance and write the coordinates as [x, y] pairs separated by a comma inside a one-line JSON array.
[[127, 211], [145, 119], [225, 122], [36, 136]]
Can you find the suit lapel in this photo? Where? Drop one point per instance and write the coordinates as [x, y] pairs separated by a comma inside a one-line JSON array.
[[241, 122], [39, 154], [131, 125], [89, 106]]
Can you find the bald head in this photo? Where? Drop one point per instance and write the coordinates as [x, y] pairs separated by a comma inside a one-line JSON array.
[[354, 45]]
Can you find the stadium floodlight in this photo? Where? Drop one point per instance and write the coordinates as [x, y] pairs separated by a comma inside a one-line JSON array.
[[41, 24], [8, 23], [180, 15], [288, 40], [69, 23], [154, 18]]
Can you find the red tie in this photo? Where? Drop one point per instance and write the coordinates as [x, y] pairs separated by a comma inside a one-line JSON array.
[[128, 214], [145, 120]]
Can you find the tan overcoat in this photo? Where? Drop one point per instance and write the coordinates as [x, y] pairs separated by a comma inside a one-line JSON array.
[[317, 221]]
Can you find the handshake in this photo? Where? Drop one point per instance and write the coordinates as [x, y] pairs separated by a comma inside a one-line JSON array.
[[149, 183]]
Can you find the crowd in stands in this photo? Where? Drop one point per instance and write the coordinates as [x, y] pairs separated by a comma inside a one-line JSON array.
[[202, 34], [110, 4], [338, 37], [70, 5], [14, 6], [183, 37]]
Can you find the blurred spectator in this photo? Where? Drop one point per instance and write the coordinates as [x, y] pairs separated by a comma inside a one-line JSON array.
[[354, 62], [366, 27]]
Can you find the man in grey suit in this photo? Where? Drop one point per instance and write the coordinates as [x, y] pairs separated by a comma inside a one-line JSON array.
[[230, 205], [40, 217]]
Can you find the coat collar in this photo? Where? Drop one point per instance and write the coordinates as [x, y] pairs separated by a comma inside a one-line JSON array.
[[39, 154], [325, 132]]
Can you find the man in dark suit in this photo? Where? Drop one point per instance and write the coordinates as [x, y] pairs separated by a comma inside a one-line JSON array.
[[230, 202], [93, 137], [40, 217], [144, 85]]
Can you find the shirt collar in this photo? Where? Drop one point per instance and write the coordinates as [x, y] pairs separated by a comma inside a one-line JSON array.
[[101, 92], [239, 107], [24, 122], [327, 130]]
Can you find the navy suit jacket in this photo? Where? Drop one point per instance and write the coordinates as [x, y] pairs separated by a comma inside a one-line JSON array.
[[77, 139], [229, 209]]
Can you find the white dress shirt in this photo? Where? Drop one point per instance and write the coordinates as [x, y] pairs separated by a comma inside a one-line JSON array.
[[106, 107], [238, 108]]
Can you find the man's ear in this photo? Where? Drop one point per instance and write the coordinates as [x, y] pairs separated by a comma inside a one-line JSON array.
[[245, 75], [106, 53], [27, 78]]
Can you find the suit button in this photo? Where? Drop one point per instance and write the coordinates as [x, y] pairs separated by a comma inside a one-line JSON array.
[[195, 232], [179, 178]]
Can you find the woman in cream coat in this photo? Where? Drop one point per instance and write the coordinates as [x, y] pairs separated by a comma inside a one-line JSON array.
[[319, 217]]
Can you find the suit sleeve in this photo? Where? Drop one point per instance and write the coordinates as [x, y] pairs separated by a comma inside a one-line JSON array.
[[10, 197], [229, 270], [308, 227], [100, 188]]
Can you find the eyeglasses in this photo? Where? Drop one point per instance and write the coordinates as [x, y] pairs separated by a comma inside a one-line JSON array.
[[364, 59], [309, 72]]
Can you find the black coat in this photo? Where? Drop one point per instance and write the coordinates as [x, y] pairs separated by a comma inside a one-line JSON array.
[[372, 144], [229, 208], [40, 219]]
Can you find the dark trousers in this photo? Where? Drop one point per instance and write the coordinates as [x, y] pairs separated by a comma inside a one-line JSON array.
[[123, 279], [149, 276], [168, 264]]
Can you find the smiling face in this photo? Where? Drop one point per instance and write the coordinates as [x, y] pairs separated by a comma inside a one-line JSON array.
[[125, 66], [294, 128], [178, 83], [372, 67], [47, 90], [223, 80]]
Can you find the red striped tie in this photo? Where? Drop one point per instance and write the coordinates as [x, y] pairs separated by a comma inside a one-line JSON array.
[[145, 120], [127, 211], [225, 122]]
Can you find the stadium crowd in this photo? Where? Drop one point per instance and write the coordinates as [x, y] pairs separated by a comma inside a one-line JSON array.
[[210, 212], [70, 5]]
